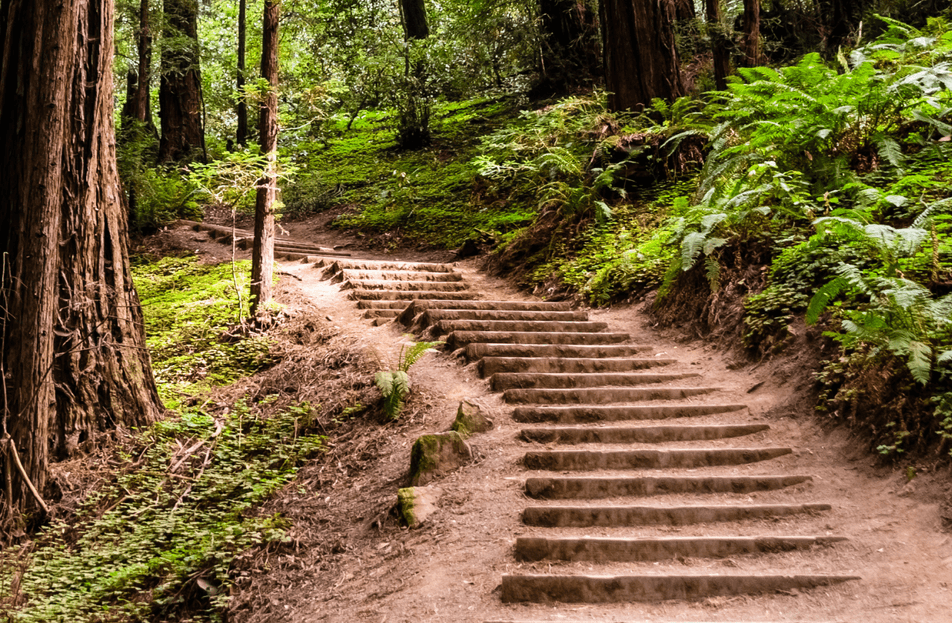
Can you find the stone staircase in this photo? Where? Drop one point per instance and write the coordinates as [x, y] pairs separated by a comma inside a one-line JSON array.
[[615, 444], [648, 459]]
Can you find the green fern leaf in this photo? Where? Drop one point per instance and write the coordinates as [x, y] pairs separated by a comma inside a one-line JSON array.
[[823, 297], [919, 361], [691, 247]]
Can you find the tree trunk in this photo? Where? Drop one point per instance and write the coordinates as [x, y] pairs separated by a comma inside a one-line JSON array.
[[73, 347], [720, 49], [684, 10], [262, 254], [413, 14], [751, 45], [570, 47], [143, 97], [641, 59], [242, 131], [180, 95]]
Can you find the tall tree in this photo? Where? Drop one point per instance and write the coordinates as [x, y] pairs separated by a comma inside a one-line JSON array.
[[142, 109], [720, 49], [180, 94], [72, 347], [241, 135], [641, 59], [751, 24], [570, 46], [413, 15], [262, 253]]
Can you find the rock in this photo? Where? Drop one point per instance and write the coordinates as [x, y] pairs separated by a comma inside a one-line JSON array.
[[416, 504], [470, 419], [469, 249], [435, 455]]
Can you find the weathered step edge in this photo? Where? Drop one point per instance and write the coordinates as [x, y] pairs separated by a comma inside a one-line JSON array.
[[618, 516], [562, 488], [588, 414], [638, 434], [571, 460], [608, 589]]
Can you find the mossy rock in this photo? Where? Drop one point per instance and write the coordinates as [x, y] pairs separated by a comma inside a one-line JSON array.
[[438, 454], [470, 419], [416, 504]]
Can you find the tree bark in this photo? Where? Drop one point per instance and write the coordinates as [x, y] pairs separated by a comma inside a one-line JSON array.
[[684, 10], [241, 134], [143, 97], [570, 47], [180, 95], [641, 59], [720, 49], [751, 46], [413, 14], [73, 346], [262, 254]]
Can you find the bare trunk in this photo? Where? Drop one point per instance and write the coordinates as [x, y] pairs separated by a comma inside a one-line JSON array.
[[242, 131], [570, 47], [720, 49], [73, 347], [143, 103], [641, 59], [684, 10], [262, 255], [180, 94], [413, 14], [751, 46]]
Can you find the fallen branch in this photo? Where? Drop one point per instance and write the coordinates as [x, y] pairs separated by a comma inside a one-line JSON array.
[[12, 451]]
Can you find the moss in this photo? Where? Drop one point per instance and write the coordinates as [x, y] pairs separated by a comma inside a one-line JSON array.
[[434, 455], [405, 500]]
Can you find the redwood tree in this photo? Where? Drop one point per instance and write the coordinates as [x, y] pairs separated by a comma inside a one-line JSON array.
[[751, 42], [241, 134], [641, 59], [720, 49], [569, 47], [262, 254], [74, 364], [180, 90]]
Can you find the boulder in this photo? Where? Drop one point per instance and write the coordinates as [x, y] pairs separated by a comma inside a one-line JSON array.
[[434, 455], [470, 419], [416, 504]]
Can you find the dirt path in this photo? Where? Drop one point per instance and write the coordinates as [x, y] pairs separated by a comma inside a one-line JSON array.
[[368, 568]]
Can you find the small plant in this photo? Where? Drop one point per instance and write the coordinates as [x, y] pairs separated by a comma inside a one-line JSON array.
[[394, 384]]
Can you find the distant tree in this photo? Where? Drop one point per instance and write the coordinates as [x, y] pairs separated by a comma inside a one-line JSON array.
[[413, 16], [180, 94], [73, 363], [569, 46], [262, 254], [241, 134], [142, 108], [751, 42], [720, 48], [641, 58]]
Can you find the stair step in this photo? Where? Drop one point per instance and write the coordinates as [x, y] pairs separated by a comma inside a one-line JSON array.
[[586, 414], [638, 434], [389, 314], [602, 549], [563, 488], [476, 350], [427, 286], [610, 589], [382, 275], [287, 246], [432, 316], [459, 339], [482, 304], [601, 394], [560, 380], [620, 516], [584, 460], [384, 265], [518, 326], [397, 305], [309, 257], [489, 366], [405, 295]]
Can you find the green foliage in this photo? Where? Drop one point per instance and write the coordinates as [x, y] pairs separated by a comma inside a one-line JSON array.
[[394, 384], [233, 180], [188, 308], [163, 536]]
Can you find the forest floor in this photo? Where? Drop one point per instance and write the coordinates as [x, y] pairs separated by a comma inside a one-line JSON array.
[[350, 560]]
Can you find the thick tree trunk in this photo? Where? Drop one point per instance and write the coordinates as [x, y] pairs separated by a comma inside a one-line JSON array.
[[720, 49], [641, 59], [73, 348], [413, 13], [684, 10], [180, 94], [570, 46], [241, 135], [262, 254], [751, 46]]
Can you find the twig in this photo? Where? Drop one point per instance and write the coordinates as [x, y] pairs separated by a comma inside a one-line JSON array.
[[12, 450]]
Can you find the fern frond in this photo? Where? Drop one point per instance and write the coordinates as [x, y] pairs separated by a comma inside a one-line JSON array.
[[823, 297], [691, 247]]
